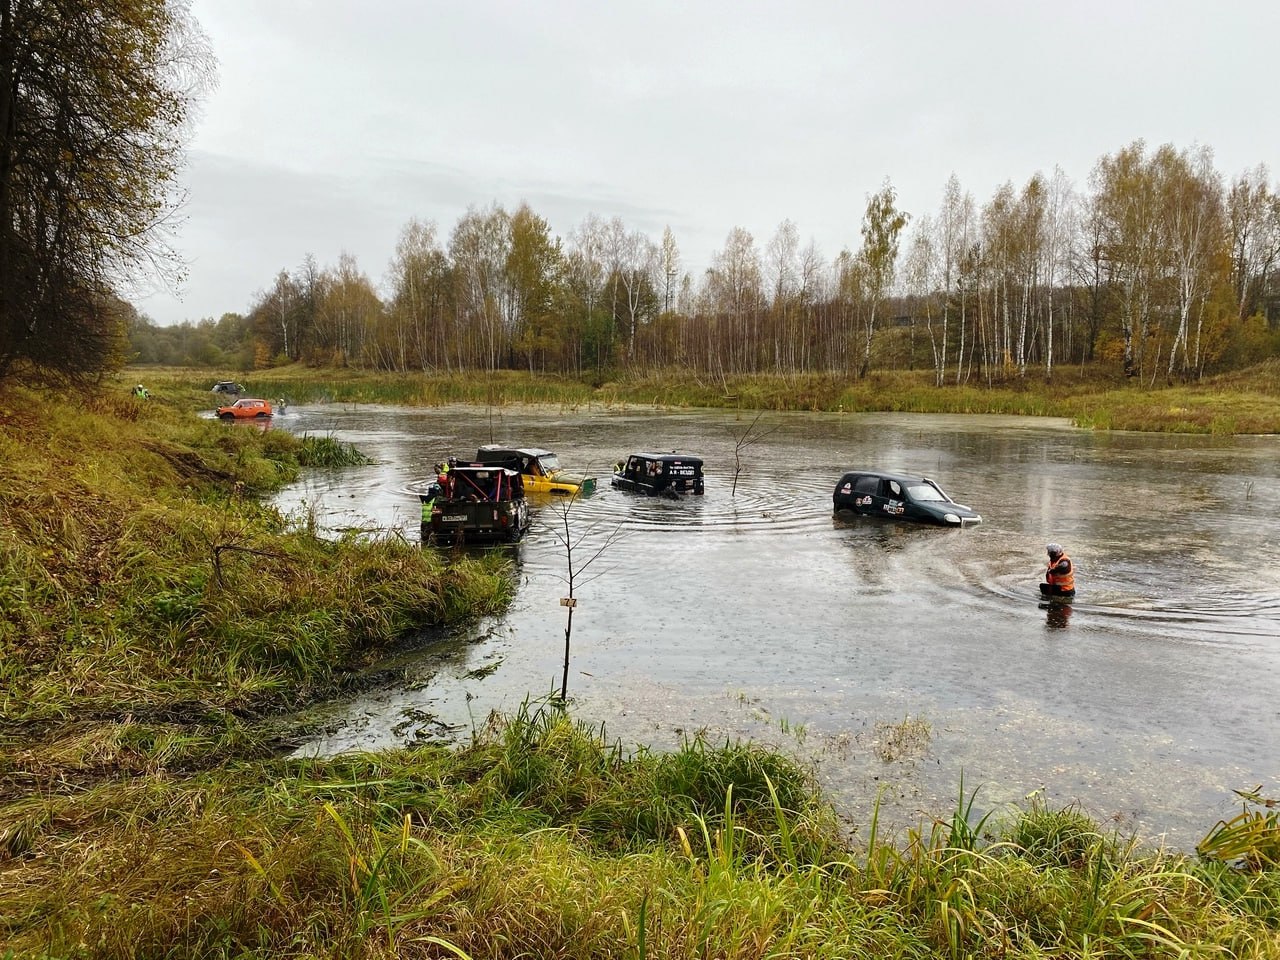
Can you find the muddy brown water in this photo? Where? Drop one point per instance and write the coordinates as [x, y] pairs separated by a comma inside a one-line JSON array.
[[892, 659]]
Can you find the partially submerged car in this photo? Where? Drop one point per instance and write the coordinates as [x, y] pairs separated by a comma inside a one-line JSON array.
[[245, 408], [228, 386], [540, 469], [475, 503], [900, 497], [660, 474]]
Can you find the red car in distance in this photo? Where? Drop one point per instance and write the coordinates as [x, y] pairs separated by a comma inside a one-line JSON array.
[[245, 409]]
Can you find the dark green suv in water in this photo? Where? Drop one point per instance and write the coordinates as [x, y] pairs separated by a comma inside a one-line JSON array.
[[900, 497], [660, 474]]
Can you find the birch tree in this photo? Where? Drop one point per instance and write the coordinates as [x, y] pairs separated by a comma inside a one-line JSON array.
[[420, 280], [274, 319], [882, 224], [1127, 205], [948, 245], [957, 224], [1195, 238], [920, 272], [814, 291], [669, 267], [781, 257], [585, 275], [478, 247], [531, 273], [1253, 212], [1059, 228], [637, 258], [349, 312], [734, 286]]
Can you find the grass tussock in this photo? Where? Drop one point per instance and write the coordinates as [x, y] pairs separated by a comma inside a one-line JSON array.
[[543, 839], [328, 452]]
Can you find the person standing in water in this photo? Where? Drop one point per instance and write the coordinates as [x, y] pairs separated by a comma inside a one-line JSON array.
[[1060, 575]]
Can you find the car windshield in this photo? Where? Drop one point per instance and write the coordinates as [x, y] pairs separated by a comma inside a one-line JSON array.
[[550, 462], [926, 491]]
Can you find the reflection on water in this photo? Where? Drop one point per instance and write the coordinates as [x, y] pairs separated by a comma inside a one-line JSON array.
[[763, 615], [1057, 615]]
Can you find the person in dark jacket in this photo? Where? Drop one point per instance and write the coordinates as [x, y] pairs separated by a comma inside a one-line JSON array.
[[1060, 574]]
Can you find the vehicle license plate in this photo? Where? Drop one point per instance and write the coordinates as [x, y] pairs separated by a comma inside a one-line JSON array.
[[458, 519]]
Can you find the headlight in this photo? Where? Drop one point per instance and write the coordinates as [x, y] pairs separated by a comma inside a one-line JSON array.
[[950, 518]]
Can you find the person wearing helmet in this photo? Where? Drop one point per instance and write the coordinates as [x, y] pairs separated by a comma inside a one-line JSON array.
[[1060, 575]]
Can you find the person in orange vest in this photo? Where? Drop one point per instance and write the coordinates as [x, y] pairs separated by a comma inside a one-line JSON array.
[[1060, 575]]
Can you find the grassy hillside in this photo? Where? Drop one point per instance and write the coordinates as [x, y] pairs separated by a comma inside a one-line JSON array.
[[143, 581]]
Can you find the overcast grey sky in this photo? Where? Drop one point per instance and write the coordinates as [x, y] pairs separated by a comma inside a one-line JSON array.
[[334, 122]]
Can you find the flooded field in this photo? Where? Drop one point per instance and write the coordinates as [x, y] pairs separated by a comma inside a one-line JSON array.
[[888, 657]]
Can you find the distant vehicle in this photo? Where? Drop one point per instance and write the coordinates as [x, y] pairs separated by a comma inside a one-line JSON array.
[[660, 474], [228, 386], [475, 503], [540, 468], [245, 409], [899, 497]]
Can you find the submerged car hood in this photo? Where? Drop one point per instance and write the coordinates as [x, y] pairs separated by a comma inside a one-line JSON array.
[[940, 509], [586, 483]]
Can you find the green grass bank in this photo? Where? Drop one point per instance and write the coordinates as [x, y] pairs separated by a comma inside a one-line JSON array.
[[155, 615], [148, 593], [540, 839]]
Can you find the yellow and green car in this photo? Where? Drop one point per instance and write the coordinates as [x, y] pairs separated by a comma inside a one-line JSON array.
[[540, 469]]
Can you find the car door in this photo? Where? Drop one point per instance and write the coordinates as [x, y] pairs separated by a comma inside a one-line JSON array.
[[866, 495], [890, 499]]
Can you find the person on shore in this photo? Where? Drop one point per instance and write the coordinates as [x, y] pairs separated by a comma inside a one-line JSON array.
[[141, 392], [1060, 575]]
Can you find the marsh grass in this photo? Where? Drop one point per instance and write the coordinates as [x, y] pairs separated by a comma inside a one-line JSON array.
[[1241, 402], [329, 452], [542, 838], [903, 739], [1250, 839]]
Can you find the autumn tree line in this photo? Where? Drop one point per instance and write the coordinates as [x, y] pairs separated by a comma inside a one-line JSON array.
[[1157, 266], [1160, 267]]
